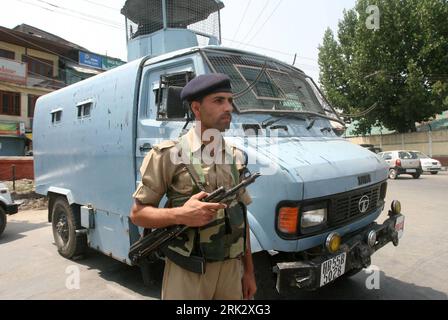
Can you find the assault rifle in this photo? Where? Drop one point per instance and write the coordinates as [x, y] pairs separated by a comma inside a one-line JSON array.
[[161, 237]]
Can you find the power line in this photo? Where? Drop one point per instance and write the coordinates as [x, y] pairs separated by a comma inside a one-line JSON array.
[[239, 42], [273, 50], [256, 20], [71, 15], [242, 19], [101, 5], [77, 12], [262, 26]]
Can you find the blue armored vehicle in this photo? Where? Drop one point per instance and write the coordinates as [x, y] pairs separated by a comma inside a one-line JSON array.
[[314, 210]]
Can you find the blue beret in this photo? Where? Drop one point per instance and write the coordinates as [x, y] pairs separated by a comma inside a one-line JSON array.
[[204, 85]]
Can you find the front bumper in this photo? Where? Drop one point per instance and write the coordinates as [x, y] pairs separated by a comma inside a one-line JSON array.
[[307, 275], [12, 208], [431, 168]]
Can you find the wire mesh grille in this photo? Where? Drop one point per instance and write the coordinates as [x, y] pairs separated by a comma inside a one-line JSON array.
[[272, 86], [148, 16]]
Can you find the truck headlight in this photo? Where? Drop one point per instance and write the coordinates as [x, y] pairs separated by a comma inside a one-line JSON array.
[[314, 215]]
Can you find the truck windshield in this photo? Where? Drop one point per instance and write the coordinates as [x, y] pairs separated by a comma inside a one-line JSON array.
[[263, 85]]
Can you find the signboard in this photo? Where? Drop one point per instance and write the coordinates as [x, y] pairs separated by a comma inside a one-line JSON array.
[[109, 63], [10, 129], [90, 60], [13, 71]]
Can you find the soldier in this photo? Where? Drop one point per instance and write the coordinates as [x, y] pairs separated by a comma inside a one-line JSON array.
[[212, 260]]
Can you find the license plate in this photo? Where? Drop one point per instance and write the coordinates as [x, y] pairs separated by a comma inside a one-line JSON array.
[[332, 269], [399, 226], [411, 170]]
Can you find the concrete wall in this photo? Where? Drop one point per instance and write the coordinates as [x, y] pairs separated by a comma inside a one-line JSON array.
[[24, 168], [434, 144]]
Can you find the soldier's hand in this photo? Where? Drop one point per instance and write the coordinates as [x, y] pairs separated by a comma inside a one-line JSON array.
[[195, 213]]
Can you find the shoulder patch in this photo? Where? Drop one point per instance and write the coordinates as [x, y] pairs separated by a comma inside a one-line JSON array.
[[165, 145]]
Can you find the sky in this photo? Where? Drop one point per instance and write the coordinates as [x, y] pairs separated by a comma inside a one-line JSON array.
[[277, 28]]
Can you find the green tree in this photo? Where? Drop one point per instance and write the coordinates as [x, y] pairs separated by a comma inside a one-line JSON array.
[[402, 67]]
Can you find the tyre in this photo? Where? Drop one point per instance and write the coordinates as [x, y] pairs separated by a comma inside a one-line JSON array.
[[65, 221], [3, 220], [393, 174], [434, 172], [416, 175]]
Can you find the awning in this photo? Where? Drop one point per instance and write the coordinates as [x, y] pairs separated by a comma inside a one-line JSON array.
[[85, 70]]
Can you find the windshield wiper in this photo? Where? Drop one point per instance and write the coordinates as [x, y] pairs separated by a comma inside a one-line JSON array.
[[311, 125], [271, 121], [300, 116]]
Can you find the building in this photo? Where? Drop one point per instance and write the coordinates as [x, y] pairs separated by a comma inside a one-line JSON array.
[[33, 63]]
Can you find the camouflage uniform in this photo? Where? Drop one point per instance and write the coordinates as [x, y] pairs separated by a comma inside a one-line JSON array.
[[221, 246]]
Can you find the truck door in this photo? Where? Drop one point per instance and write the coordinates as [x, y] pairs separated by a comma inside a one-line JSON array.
[[153, 126]]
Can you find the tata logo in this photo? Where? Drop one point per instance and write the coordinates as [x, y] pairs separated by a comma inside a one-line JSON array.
[[364, 203]]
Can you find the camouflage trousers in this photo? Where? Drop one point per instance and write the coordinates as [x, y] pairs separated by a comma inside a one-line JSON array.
[[222, 281]]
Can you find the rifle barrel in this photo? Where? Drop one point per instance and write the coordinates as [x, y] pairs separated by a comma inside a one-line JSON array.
[[158, 238]]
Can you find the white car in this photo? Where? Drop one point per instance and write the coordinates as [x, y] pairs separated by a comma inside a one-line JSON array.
[[428, 164], [7, 206], [402, 162]]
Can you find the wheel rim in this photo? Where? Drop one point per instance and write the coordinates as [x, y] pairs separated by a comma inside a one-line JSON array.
[[392, 174], [62, 228]]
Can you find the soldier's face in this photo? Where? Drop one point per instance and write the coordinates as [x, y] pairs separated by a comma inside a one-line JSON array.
[[215, 111]]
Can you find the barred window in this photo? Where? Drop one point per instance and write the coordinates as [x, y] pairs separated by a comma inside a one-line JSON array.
[[39, 66], [10, 103], [7, 54], [31, 105]]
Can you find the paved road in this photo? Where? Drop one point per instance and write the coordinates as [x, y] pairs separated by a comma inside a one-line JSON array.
[[30, 267]]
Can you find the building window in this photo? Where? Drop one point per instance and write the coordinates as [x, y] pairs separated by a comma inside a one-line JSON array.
[[10, 103], [31, 105], [39, 66], [7, 54]]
